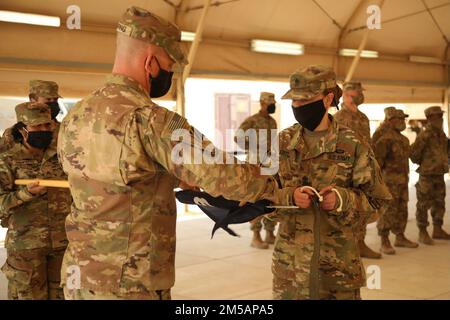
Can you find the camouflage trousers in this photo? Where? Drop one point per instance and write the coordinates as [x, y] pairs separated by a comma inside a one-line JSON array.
[[430, 195], [361, 228], [286, 289], [85, 294], [34, 274], [395, 217], [257, 224]]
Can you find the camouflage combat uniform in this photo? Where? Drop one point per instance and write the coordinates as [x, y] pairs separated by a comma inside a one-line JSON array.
[[257, 122], [379, 132], [36, 239], [116, 147], [40, 88], [316, 253], [7, 140], [360, 124], [429, 151], [392, 153]]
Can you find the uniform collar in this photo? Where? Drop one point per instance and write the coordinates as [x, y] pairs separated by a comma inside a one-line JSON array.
[[261, 114], [25, 153], [430, 128], [123, 80], [347, 109], [326, 144], [51, 151]]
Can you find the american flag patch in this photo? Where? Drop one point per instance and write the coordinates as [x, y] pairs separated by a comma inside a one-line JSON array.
[[177, 122]]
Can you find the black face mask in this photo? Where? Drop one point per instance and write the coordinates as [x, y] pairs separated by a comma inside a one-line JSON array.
[[160, 85], [271, 108], [310, 115], [54, 109], [39, 139]]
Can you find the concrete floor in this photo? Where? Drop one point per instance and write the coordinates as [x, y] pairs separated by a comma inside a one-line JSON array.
[[228, 268]]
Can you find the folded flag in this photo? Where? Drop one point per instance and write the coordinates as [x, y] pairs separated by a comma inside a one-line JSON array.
[[223, 211]]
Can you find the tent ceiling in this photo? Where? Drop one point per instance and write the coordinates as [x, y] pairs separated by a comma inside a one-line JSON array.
[[407, 29]]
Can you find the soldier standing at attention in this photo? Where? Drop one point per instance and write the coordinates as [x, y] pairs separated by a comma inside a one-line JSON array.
[[36, 238], [117, 147], [350, 116], [260, 121], [316, 254], [429, 151], [383, 125], [392, 153], [40, 91]]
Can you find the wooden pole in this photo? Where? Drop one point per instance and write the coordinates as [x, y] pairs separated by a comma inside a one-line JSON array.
[[196, 42], [44, 183]]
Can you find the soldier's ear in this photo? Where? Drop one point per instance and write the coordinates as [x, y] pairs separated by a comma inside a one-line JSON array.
[[32, 97], [328, 99]]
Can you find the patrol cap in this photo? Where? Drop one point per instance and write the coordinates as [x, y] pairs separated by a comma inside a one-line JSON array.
[[33, 113], [143, 25], [433, 110], [309, 82], [42, 88], [400, 114], [392, 113], [353, 86], [388, 111], [267, 97]]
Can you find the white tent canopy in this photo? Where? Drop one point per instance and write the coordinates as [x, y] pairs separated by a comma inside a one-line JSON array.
[[79, 59]]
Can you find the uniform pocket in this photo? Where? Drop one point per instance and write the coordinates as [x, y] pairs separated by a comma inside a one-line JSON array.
[[344, 174], [19, 277]]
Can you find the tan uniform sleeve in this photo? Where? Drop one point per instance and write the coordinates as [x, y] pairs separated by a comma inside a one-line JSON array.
[[368, 192], [417, 148], [247, 124], [9, 196], [238, 181], [6, 141], [381, 150]]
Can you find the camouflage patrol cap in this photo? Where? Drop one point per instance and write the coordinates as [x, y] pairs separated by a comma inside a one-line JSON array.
[[46, 89], [389, 112], [309, 82], [143, 25], [400, 114], [267, 96], [433, 110], [392, 113], [33, 113], [353, 86]]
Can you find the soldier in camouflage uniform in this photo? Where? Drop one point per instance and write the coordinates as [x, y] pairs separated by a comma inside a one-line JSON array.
[[260, 121], [46, 92], [383, 125], [392, 153], [7, 140], [429, 151], [350, 116], [117, 147], [316, 253], [36, 239], [40, 91]]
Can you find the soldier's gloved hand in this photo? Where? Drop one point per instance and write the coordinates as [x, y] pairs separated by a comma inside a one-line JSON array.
[[329, 202], [35, 189], [302, 198]]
